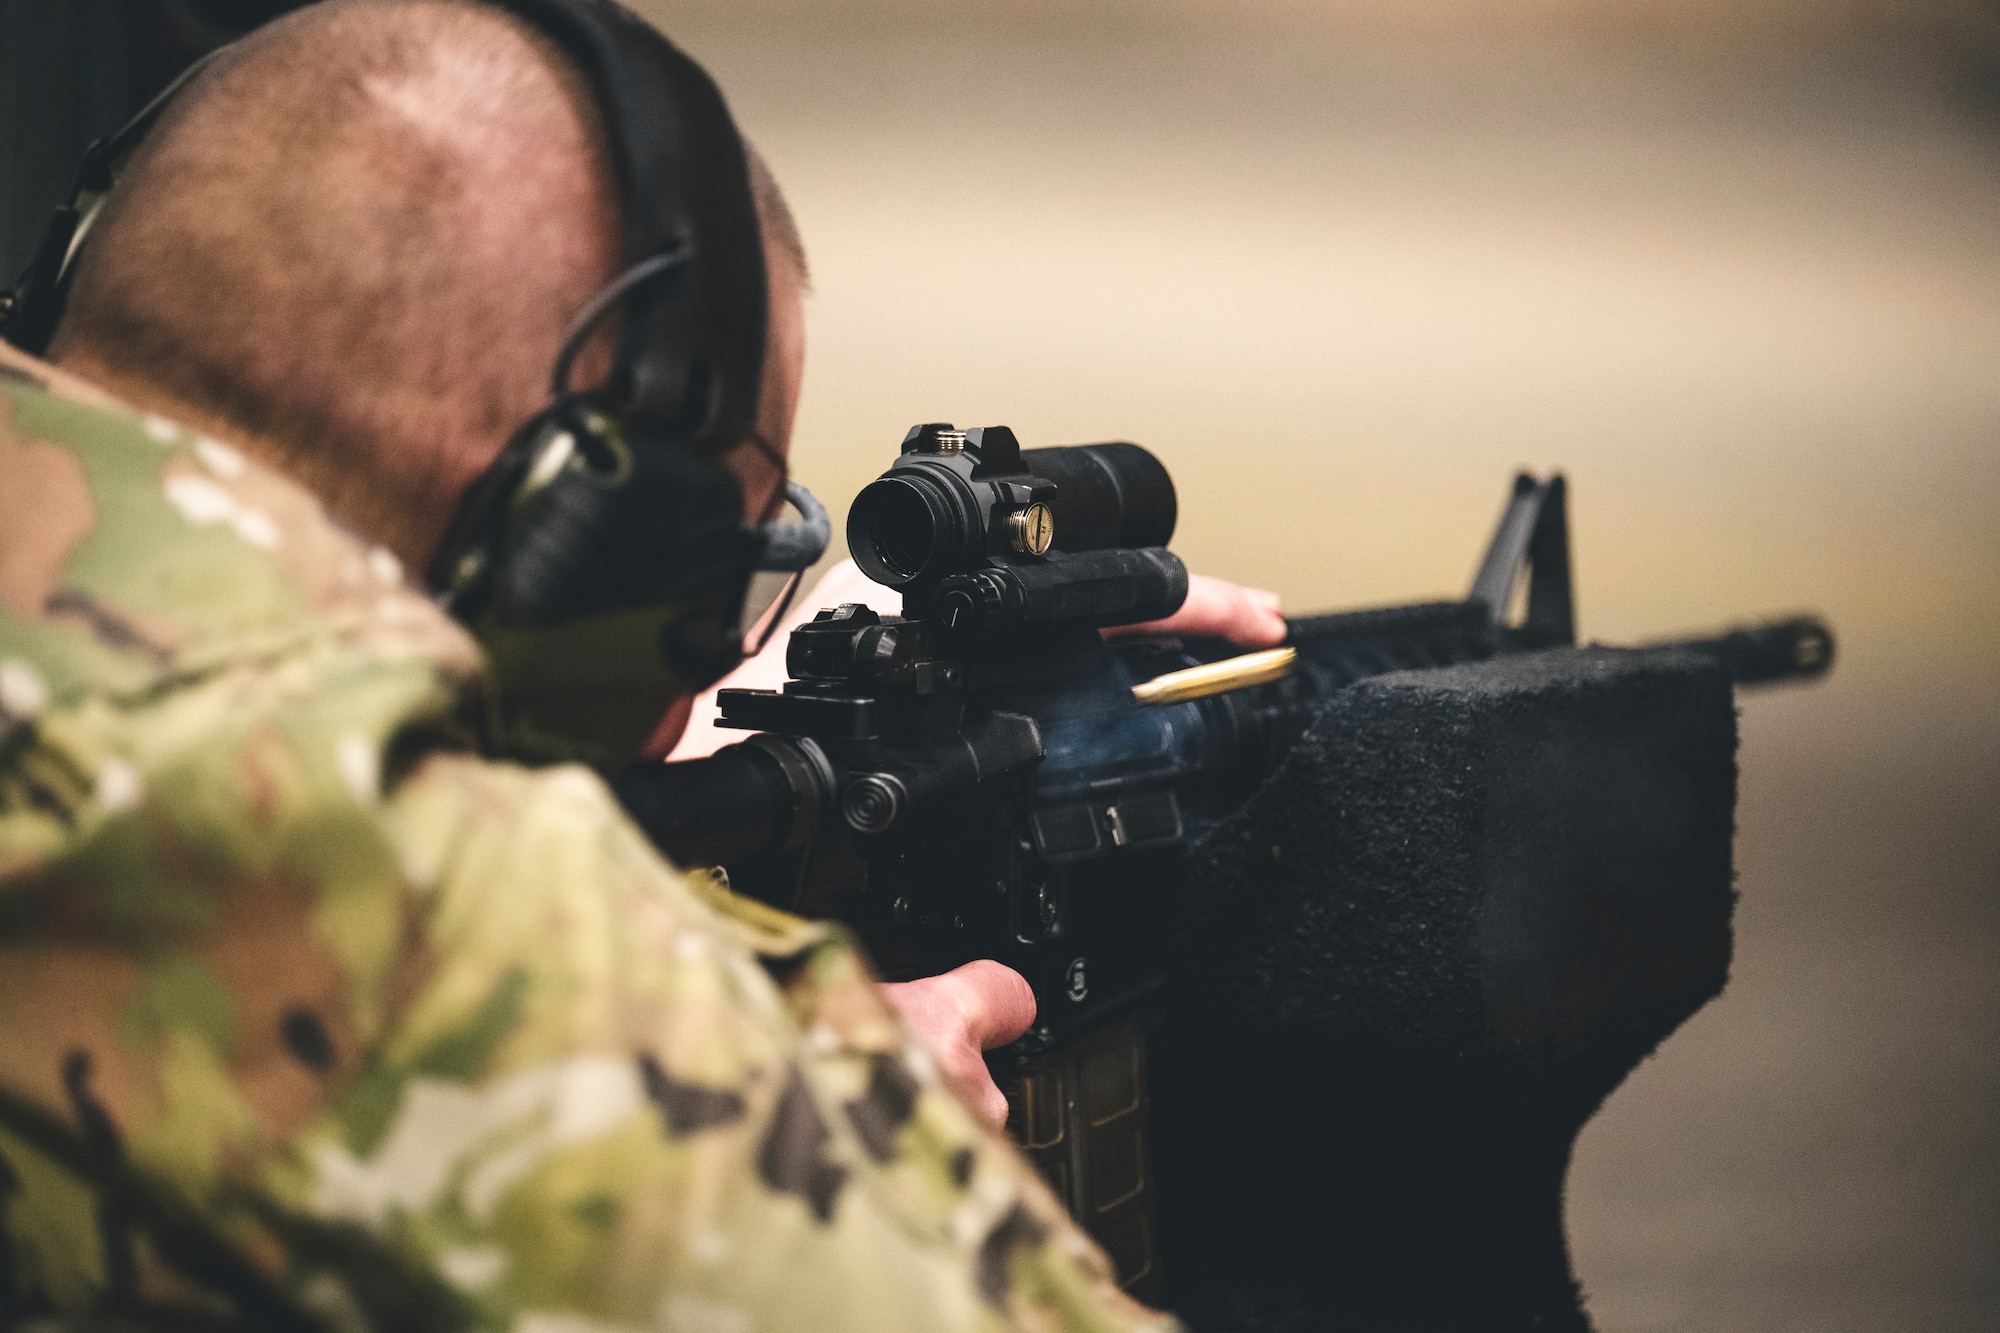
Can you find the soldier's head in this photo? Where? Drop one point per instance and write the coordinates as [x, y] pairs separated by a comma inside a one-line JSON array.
[[356, 244]]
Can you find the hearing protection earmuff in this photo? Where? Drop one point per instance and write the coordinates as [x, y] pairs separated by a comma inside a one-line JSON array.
[[601, 558]]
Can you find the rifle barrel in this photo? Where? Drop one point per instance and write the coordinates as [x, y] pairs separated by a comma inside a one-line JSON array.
[[1796, 648]]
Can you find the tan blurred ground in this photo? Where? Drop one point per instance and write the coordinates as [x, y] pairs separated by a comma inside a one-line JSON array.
[[1736, 269]]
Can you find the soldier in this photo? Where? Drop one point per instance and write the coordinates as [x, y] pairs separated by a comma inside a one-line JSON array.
[[313, 1015]]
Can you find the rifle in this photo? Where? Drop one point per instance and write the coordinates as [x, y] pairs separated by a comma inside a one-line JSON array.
[[989, 776]]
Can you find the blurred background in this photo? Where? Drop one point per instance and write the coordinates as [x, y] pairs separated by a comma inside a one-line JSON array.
[[1734, 268]]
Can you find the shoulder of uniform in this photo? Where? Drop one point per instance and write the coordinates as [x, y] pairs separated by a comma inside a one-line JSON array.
[[17, 367], [133, 550]]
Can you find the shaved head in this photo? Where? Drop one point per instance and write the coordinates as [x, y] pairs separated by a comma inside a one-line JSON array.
[[357, 241]]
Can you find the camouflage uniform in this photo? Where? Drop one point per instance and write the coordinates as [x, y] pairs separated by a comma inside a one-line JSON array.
[[310, 1016]]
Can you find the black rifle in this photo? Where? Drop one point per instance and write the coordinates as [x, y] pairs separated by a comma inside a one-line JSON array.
[[979, 778]]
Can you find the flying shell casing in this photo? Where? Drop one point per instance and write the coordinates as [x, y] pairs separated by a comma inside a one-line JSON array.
[[1235, 673]]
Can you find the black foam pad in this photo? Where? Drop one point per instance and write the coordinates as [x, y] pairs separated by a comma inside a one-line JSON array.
[[1466, 905]]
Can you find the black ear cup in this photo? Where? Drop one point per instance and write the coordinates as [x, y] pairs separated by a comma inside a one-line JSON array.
[[612, 526], [610, 586]]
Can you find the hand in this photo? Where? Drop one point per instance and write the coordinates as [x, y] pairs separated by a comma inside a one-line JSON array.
[[961, 1013], [1247, 617]]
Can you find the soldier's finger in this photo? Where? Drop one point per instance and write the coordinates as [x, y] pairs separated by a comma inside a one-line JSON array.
[[999, 1004], [1248, 617], [959, 1014]]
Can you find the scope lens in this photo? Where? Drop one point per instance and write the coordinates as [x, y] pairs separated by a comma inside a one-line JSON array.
[[896, 528], [904, 533]]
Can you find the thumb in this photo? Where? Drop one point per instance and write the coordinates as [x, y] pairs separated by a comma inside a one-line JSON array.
[[965, 1011], [999, 1004]]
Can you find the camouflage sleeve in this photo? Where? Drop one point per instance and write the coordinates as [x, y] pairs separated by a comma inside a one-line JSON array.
[[625, 1096], [304, 1018], [464, 1039]]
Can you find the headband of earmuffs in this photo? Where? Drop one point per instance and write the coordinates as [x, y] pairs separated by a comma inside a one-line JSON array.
[[690, 350]]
